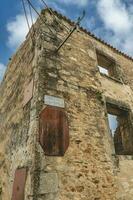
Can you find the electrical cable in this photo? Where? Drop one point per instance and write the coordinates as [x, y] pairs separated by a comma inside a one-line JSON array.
[[54, 15], [44, 32], [25, 14], [40, 16], [26, 17], [32, 6], [31, 16]]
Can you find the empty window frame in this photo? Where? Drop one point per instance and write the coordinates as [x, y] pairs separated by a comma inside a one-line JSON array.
[[121, 129], [106, 65]]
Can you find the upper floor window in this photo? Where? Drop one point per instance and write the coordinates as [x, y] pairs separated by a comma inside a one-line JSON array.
[[106, 65]]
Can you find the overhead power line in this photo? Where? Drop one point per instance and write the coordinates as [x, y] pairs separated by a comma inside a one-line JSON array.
[[44, 33], [50, 34], [40, 16], [25, 13], [26, 17], [56, 19], [30, 11]]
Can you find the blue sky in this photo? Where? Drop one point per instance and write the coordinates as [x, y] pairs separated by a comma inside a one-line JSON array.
[[112, 20]]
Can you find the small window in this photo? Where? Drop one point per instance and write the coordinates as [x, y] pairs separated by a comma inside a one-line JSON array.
[[106, 65], [120, 129]]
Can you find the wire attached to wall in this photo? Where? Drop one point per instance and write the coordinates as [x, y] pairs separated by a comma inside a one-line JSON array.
[[26, 17], [51, 34], [54, 16], [31, 6], [40, 16], [25, 13], [31, 16]]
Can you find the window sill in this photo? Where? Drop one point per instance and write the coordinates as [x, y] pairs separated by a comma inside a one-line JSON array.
[[124, 157], [112, 78]]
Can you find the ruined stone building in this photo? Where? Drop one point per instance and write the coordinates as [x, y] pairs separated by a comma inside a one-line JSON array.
[[56, 142]]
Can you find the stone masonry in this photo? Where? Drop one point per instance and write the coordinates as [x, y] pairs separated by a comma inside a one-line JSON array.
[[90, 169]]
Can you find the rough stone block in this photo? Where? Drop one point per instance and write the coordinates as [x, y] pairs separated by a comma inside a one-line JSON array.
[[48, 183]]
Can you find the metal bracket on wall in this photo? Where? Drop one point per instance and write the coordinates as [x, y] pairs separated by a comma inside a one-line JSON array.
[[74, 28]]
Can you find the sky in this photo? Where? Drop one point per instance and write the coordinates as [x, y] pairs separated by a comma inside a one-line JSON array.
[[111, 20], [113, 123]]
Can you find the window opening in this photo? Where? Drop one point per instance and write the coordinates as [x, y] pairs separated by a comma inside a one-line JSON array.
[[120, 129], [106, 66]]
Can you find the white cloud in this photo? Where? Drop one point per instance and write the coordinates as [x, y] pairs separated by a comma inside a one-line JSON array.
[[76, 2], [118, 19], [2, 70], [115, 15], [17, 30]]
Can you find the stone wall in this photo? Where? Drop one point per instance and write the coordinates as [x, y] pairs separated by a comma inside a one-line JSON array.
[[89, 168], [125, 177], [17, 121], [86, 171]]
